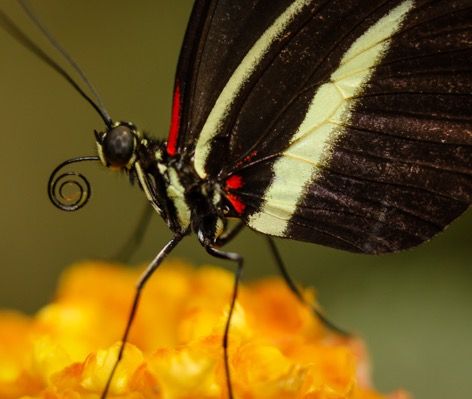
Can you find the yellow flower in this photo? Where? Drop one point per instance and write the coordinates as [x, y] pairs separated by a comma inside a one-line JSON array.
[[278, 349]]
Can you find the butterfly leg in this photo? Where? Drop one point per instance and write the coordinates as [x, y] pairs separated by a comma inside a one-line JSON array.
[[296, 291], [133, 242], [152, 267], [228, 235], [239, 260]]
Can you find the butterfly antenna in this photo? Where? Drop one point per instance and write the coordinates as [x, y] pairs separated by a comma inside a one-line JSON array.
[[14, 31]]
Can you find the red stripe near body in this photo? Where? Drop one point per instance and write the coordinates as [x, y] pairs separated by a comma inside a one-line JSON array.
[[238, 205], [175, 122], [233, 183]]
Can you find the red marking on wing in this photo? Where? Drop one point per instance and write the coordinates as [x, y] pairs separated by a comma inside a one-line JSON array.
[[246, 159], [234, 182], [238, 205], [175, 123]]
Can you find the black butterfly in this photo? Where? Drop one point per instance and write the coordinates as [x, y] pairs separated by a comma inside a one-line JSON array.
[[346, 123]]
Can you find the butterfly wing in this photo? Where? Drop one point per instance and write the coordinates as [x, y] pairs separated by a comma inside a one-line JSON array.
[[345, 123], [218, 35]]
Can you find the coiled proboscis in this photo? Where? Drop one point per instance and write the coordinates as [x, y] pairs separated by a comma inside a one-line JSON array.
[[59, 182]]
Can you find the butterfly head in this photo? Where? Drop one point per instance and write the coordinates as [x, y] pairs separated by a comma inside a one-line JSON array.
[[117, 145]]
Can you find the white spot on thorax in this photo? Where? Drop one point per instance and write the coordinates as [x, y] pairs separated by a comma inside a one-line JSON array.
[[176, 193]]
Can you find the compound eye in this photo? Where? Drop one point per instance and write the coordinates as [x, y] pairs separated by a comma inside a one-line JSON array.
[[118, 146]]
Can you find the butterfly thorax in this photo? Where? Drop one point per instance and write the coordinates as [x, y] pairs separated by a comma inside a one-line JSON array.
[[184, 200]]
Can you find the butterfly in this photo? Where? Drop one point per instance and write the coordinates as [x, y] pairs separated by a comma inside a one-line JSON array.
[[343, 123]]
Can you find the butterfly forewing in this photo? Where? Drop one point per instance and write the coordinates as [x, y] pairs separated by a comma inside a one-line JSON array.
[[219, 34], [346, 123], [186, 68]]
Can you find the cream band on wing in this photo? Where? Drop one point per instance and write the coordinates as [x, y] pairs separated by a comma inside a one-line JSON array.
[[237, 81], [330, 108]]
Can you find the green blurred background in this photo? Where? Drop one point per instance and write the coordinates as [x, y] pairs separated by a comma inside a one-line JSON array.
[[412, 308]]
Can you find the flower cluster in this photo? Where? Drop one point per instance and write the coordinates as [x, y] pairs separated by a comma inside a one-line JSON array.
[[278, 349]]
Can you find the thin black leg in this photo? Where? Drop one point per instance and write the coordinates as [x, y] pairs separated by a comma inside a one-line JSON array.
[[293, 287], [136, 238], [229, 234], [156, 262], [239, 259]]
